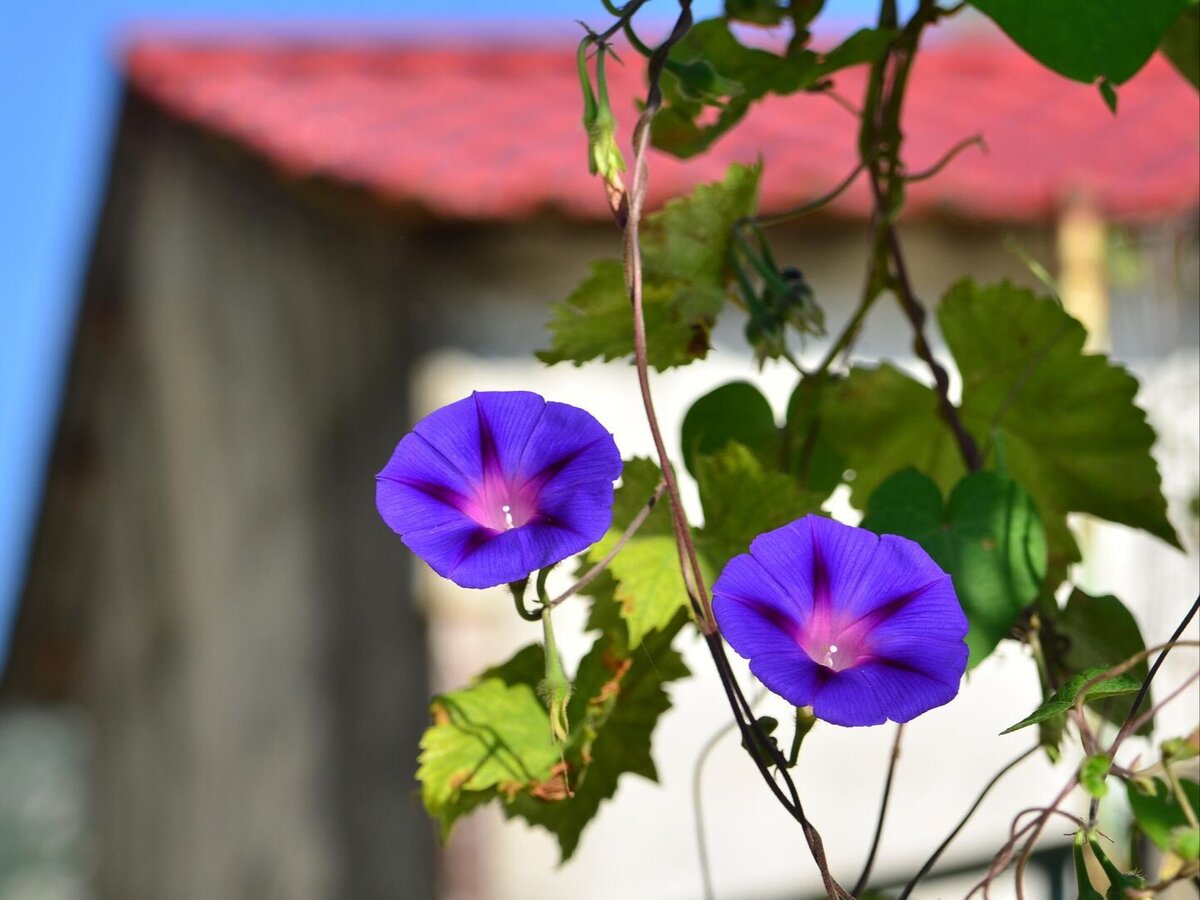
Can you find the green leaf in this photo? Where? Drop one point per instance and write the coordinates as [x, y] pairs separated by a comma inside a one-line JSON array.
[[1158, 811], [1093, 775], [742, 499], [1086, 39], [687, 242], [1064, 698], [686, 248], [756, 12], [490, 739], [733, 412], [618, 700], [639, 479], [1185, 842], [1103, 633], [987, 537], [677, 128], [649, 589], [1073, 436], [811, 457], [1181, 44], [595, 321], [882, 421]]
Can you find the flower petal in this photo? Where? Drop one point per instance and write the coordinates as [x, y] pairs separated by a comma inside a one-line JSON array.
[[754, 613], [568, 446], [897, 568], [785, 556], [905, 693], [508, 420], [419, 488], [791, 675], [454, 432], [585, 510], [444, 548], [850, 698]]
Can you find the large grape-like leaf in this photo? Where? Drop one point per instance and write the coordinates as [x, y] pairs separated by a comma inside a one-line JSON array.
[[686, 250], [1072, 434], [1086, 40], [882, 421], [987, 537]]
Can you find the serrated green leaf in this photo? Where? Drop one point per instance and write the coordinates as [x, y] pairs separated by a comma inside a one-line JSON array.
[[1093, 775], [1073, 436], [619, 698], [1181, 44], [1064, 698], [686, 243], [1086, 39], [487, 740], [882, 421], [742, 499], [1159, 813], [987, 537], [595, 321], [733, 412], [686, 261], [1103, 633]]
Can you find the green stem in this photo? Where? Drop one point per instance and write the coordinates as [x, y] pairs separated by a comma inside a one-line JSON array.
[[556, 686], [518, 593]]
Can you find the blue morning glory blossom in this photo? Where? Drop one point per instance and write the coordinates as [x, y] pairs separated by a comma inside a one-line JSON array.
[[498, 485], [862, 628]]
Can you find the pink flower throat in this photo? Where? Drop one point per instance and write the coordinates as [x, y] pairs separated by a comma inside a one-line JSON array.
[[499, 505]]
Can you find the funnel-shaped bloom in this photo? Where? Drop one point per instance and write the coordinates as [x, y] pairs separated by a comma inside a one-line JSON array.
[[499, 485], [861, 628]]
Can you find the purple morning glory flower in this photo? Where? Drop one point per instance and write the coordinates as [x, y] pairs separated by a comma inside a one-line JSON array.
[[499, 485], [862, 628]]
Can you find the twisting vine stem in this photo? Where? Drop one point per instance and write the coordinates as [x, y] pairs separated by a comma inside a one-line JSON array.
[[693, 577]]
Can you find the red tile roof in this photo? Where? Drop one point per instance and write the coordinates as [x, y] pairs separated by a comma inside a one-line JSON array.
[[475, 132]]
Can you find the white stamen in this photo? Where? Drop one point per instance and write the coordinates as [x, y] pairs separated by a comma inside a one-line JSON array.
[[507, 510], [832, 649]]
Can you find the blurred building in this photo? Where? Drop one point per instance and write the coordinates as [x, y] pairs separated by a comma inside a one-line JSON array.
[[307, 245]]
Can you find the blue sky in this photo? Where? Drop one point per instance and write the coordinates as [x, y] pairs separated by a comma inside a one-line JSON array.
[[58, 95]]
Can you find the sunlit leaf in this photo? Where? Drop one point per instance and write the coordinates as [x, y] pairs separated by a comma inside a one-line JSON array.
[[686, 262]]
